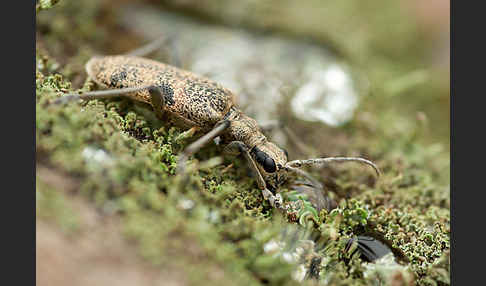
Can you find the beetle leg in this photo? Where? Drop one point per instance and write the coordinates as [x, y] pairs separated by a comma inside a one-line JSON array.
[[148, 48], [238, 147], [156, 96], [315, 194], [158, 101], [187, 134], [100, 94], [303, 173], [198, 144], [235, 148]]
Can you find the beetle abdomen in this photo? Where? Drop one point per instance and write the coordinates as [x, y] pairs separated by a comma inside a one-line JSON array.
[[195, 98]]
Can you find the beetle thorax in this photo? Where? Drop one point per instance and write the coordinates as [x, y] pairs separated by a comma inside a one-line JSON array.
[[243, 128]]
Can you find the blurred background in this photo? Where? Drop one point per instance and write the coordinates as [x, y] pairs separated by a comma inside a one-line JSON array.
[[357, 78]]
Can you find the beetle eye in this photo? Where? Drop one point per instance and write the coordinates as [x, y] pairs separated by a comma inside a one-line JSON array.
[[260, 157], [269, 165], [264, 160]]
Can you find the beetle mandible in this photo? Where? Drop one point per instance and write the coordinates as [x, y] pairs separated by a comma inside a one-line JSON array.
[[200, 105]]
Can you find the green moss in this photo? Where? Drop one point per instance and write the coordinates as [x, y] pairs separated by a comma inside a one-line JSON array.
[[124, 161]]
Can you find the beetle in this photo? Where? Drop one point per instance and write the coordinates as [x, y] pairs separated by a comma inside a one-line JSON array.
[[200, 105]]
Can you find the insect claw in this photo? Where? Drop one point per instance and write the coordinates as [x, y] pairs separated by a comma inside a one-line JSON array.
[[275, 201], [278, 200], [267, 194]]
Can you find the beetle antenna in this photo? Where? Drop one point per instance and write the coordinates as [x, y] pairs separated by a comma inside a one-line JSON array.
[[149, 48], [323, 161]]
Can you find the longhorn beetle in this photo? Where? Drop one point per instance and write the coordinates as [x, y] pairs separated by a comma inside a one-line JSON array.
[[202, 106]]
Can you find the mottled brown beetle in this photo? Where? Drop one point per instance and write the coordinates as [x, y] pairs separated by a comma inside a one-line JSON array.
[[200, 105]]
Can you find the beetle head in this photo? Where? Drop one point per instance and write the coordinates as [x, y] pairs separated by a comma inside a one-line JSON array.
[[270, 160], [274, 166]]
